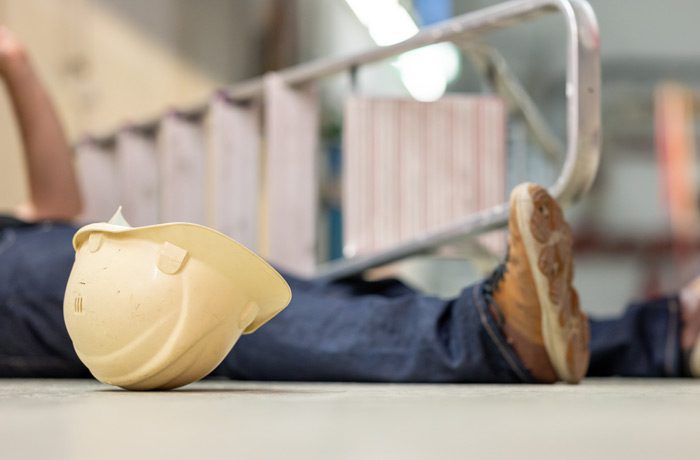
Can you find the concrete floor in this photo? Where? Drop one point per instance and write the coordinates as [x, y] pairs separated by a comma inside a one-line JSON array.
[[58, 419]]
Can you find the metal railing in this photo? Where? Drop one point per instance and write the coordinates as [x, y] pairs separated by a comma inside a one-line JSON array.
[[582, 150]]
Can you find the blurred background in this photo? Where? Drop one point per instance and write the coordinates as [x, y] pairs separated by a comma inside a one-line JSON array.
[[111, 62]]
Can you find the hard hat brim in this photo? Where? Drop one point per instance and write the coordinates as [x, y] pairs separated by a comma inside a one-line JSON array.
[[243, 267]]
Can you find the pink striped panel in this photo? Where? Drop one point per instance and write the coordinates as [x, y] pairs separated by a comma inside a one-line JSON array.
[[291, 129], [181, 152], [234, 174], [137, 169], [97, 175], [413, 167]]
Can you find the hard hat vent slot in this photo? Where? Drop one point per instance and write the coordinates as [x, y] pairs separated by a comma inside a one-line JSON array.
[[95, 241], [171, 258]]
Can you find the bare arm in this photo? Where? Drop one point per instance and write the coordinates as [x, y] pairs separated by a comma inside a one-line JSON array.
[[53, 189]]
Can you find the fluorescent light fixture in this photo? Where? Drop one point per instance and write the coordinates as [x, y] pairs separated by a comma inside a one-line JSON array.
[[399, 28], [425, 72], [387, 21]]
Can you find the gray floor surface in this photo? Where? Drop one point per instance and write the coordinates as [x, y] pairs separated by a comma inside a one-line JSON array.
[[73, 419]]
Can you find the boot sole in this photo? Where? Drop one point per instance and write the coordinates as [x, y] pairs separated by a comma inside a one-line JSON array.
[[547, 240]]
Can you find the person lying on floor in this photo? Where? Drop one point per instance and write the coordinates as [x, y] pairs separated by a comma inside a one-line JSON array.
[[521, 324]]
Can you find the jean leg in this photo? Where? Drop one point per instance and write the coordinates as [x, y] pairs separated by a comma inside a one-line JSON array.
[[644, 342], [35, 262], [361, 331], [347, 331]]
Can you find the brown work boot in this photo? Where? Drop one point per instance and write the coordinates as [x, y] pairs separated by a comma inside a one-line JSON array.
[[534, 298]]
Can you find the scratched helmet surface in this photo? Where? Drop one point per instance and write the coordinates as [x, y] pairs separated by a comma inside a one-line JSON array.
[[159, 307]]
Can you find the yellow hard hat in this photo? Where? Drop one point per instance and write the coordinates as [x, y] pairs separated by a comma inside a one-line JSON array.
[[159, 307]]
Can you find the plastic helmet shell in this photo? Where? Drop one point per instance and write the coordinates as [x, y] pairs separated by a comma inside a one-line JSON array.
[[159, 307]]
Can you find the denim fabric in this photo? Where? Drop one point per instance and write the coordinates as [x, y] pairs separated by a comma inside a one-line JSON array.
[[644, 342], [383, 331], [35, 262], [351, 330]]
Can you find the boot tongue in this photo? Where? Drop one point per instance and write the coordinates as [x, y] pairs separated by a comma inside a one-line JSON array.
[[118, 219]]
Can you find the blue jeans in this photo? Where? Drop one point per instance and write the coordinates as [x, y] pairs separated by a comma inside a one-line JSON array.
[[349, 330]]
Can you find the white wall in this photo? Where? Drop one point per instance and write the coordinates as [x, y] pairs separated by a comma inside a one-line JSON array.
[[107, 62]]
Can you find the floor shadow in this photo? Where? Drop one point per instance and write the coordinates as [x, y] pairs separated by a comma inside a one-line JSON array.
[[205, 390]]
